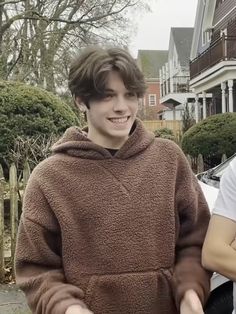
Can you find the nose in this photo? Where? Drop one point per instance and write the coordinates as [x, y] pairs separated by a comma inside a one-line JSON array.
[[120, 104]]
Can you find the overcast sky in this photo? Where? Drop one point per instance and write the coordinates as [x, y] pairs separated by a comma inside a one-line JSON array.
[[154, 28]]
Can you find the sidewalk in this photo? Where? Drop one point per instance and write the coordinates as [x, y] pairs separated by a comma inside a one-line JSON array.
[[12, 300]]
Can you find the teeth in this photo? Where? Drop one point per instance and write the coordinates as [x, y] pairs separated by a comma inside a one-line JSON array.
[[119, 120]]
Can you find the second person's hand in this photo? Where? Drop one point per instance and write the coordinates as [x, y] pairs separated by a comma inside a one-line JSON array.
[[191, 303], [77, 309]]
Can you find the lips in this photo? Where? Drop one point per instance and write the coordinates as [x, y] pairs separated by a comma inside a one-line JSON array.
[[119, 120]]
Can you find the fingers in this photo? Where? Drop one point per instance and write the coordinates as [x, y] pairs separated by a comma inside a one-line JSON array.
[[193, 300], [191, 303], [77, 309]]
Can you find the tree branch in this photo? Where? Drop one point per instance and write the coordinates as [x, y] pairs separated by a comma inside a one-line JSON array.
[[2, 3]]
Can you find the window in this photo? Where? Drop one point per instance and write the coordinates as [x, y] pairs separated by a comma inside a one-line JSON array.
[[206, 36], [152, 100]]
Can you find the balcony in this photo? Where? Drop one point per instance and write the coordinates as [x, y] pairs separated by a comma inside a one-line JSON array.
[[222, 49], [178, 84], [175, 91]]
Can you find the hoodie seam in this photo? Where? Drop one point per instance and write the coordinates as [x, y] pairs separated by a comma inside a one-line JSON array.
[[121, 184], [136, 272]]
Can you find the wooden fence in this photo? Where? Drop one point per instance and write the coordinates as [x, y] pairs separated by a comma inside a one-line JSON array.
[[174, 125], [11, 194]]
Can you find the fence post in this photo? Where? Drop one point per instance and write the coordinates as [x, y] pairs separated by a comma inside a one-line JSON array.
[[26, 175], [223, 158], [189, 160], [13, 211], [200, 163], [2, 182]]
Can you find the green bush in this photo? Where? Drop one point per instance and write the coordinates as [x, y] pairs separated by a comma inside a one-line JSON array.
[[28, 111], [165, 133], [212, 137]]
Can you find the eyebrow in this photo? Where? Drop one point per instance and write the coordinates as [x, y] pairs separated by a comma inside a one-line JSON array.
[[109, 90]]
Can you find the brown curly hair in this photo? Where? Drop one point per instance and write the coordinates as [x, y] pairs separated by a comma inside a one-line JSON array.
[[88, 73]]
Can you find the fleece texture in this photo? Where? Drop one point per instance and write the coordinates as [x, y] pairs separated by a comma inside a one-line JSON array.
[[116, 234]]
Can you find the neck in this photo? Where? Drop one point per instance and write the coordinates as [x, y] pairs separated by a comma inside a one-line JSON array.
[[112, 143]]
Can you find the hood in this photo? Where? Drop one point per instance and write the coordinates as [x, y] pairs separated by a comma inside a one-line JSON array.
[[74, 142]]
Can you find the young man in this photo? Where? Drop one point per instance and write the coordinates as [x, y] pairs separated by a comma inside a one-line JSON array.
[[219, 250], [113, 222]]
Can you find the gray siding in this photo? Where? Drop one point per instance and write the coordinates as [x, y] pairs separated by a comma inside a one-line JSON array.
[[222, 8], [221, 21]]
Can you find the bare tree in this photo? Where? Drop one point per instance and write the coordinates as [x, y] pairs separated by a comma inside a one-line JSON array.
[[39, 37], [188, 117]]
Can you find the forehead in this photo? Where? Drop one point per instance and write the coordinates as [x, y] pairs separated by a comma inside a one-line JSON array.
[[115, 82]]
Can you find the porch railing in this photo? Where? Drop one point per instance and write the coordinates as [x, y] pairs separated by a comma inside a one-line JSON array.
[[220, 50], [178, 84]]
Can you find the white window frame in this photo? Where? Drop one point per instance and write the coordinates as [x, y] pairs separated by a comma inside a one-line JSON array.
[[223, 31], [206, 36], [152, 99]]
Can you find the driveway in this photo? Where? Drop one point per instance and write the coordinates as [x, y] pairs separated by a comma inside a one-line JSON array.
[[12, 300]]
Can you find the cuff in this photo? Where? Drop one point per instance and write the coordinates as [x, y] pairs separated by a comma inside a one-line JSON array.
[[61, 307]]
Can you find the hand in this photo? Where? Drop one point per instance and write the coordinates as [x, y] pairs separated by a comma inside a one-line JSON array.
[[77, 309], [191, 303]]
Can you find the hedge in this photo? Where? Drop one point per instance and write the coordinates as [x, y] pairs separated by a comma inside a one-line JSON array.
[[29, 111], [212, 137]]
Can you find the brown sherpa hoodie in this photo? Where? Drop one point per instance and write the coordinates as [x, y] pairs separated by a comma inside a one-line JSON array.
[[117, 234]]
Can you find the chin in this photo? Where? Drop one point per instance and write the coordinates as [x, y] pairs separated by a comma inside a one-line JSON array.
[[122, 134]]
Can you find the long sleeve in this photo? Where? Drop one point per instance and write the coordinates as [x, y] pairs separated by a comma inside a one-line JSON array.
[[192, 220], [38, 262]]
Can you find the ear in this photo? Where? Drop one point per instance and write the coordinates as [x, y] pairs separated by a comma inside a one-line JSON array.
[[82, 107]]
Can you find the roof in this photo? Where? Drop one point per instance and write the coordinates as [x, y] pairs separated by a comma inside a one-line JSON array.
[[182, 37], [161, 107], [151, 61], [165, 108]]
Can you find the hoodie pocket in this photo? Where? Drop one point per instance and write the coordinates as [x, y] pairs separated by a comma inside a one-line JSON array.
[[131, 293], [90, 289]]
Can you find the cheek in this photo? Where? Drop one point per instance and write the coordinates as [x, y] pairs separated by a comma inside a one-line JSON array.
[[134, 107], [96, 117], [100, 109]]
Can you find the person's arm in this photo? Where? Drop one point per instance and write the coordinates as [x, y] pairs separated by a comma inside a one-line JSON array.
[[233, 244], [218, 254], [38, 262], [193, 216], [219, 247]]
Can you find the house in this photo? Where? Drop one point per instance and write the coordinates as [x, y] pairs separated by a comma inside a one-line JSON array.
[[213, 57], [171, 113], [175, 76], [150, 62]]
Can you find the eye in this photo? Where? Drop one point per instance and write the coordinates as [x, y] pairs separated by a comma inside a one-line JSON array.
[[107, 96], [131, 94]]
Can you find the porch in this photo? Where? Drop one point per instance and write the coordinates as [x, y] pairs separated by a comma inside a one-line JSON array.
[[223, 49]]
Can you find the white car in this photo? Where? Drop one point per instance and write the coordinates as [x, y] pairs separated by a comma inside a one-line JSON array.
[[221, 298]]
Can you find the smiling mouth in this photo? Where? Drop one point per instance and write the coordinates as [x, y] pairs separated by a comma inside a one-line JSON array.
[[119, 120]]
